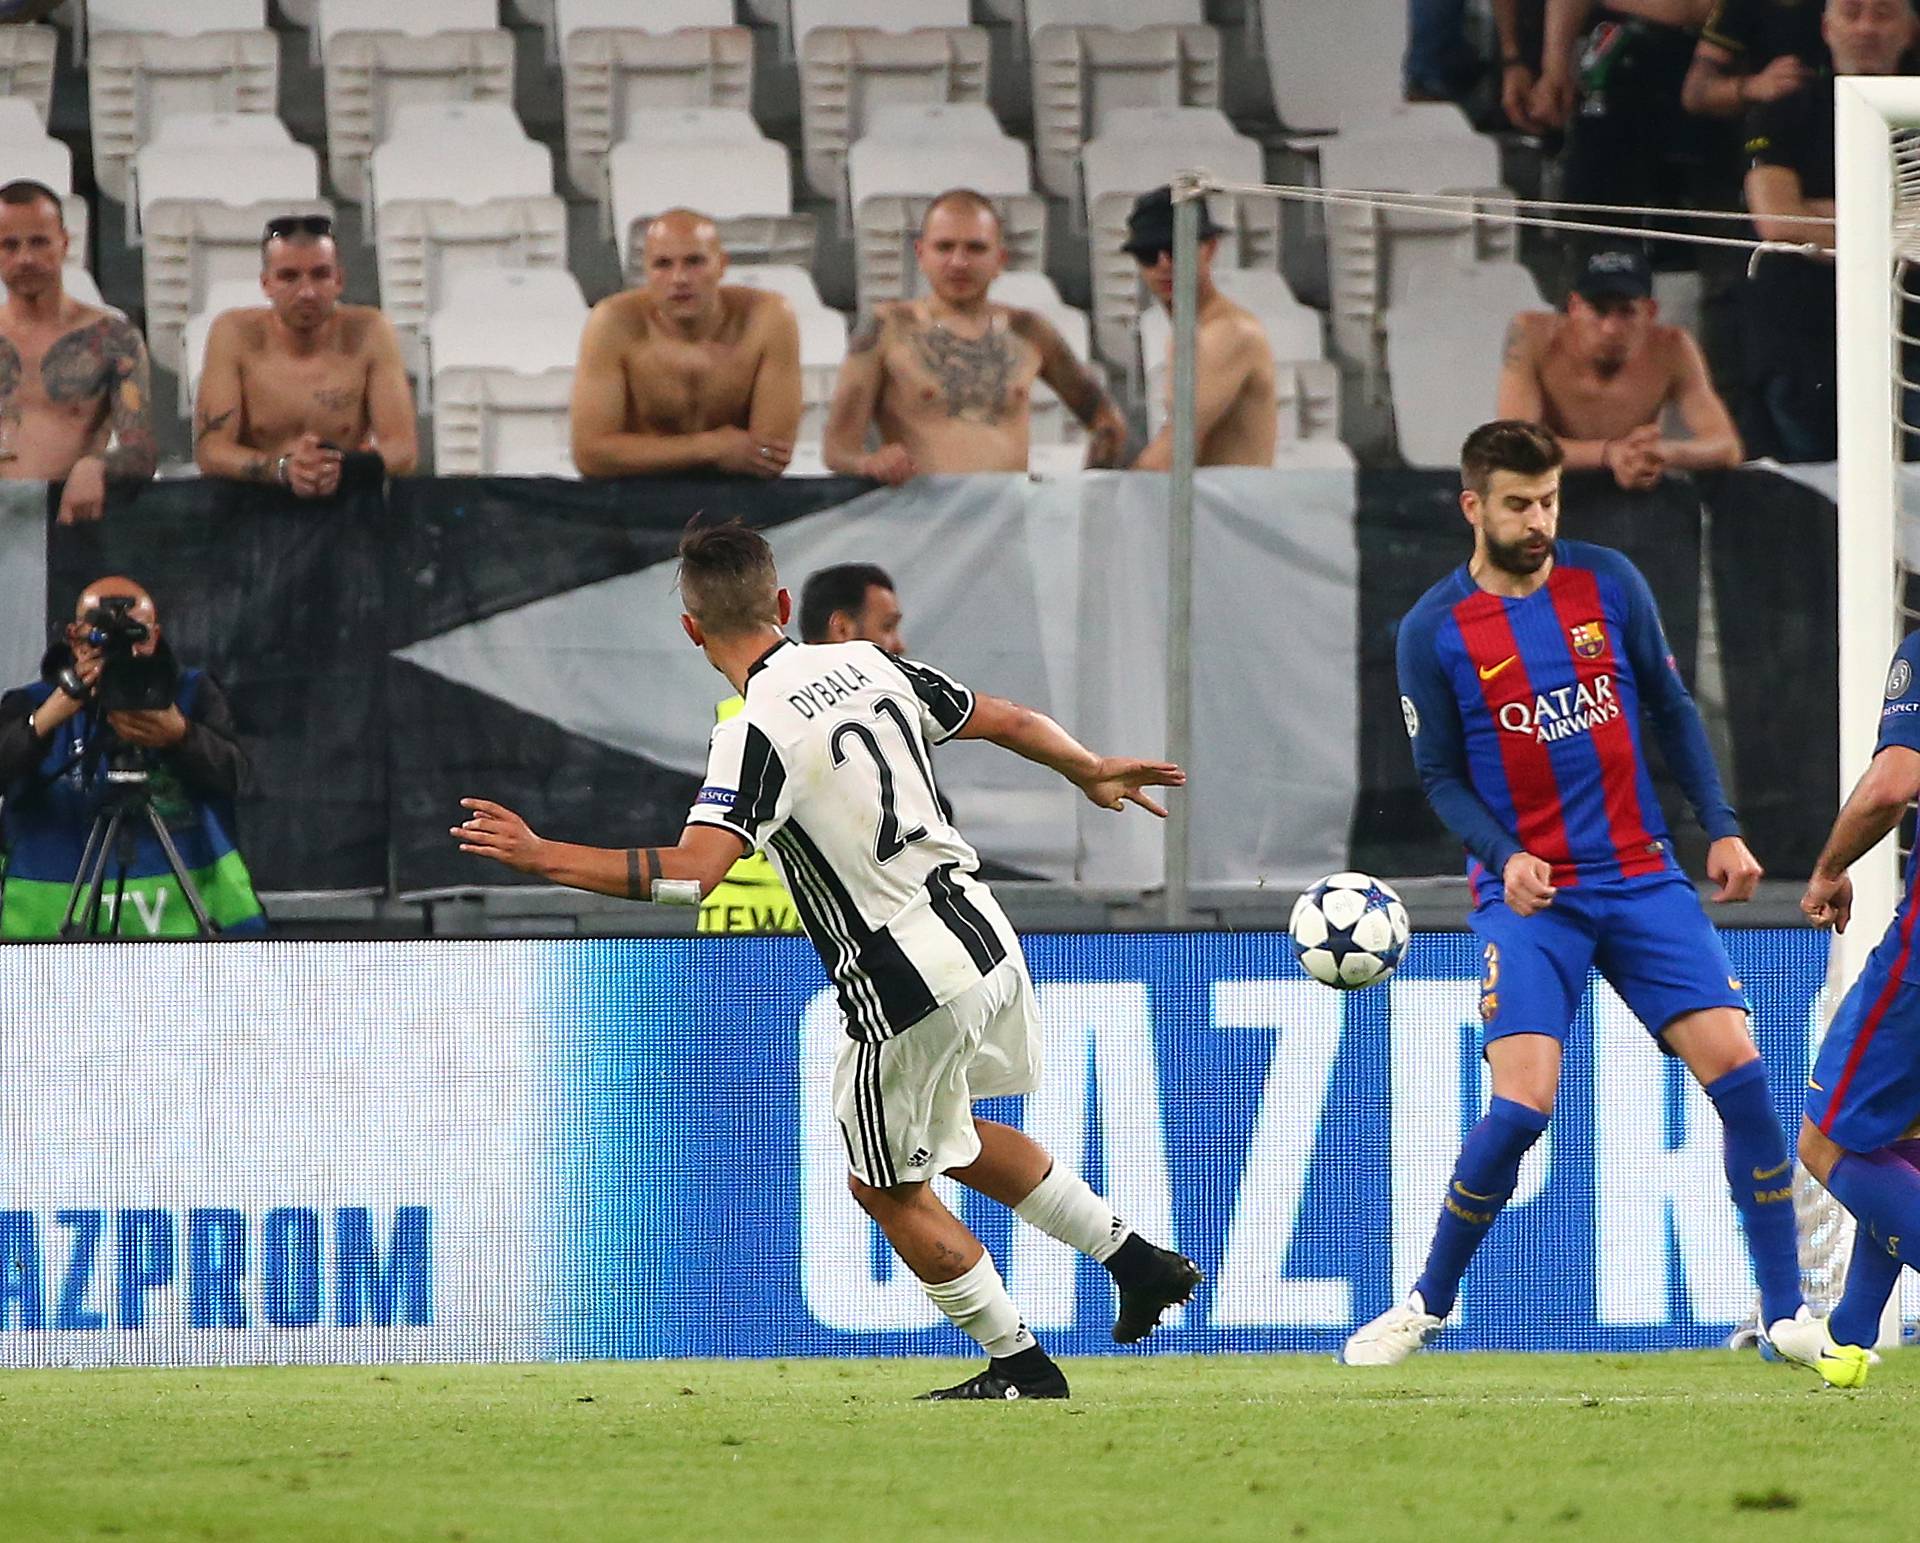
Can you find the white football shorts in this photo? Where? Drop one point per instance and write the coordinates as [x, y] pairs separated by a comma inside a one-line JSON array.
[[905, 1104]]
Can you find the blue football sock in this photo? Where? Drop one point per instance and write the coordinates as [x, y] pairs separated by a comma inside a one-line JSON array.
[[1483, 1181], [1883, 1193], [1760, 1174], [1872, 1273]]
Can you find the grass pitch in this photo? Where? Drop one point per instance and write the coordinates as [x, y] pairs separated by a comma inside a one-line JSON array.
[[1653, 1449]]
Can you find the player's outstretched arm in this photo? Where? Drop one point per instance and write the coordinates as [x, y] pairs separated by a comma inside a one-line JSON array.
[[704, 855], [1112, 782], [1873, 809]]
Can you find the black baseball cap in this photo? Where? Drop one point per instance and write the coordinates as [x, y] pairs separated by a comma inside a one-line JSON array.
[[1618, 273], [1150, 224]]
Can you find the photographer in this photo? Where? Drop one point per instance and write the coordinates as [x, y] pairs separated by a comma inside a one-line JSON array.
[[115, 718]]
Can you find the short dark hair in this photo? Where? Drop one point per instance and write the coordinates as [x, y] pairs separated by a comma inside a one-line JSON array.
[[728, 582], [24, 190], [1507, 444], [840, 588], [964, 198]]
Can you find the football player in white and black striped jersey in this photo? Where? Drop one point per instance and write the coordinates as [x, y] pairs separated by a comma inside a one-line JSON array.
[[827, 769]]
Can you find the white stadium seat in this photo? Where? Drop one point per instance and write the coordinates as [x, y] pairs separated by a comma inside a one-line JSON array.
[[1105, 13], [1140, 149], [170, 16], [502, 350], [886, 15], [1082, 74], [503, 423], [661, 59], [277, 174], [745, 186], [928, 147], [1334, 64], [458, 186], [228, 295], [192, 247], [415, 18], [28, 151], [525, 319], [465, 152], [213, 132], [1376, 255], [850, 65], [136, 80], [1443, 354], [27, 52], [370, 75], [566, 17]]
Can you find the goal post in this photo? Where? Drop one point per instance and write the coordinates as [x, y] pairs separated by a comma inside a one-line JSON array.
[[1872, 225]]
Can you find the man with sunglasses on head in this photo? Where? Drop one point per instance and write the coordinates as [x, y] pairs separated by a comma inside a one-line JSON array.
[[304, 392], [1236, 411]]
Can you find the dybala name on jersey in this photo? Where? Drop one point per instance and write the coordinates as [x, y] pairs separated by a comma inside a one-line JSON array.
[[817, 696]]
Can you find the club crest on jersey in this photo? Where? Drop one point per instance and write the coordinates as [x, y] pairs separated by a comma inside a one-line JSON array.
[[1589, 639]]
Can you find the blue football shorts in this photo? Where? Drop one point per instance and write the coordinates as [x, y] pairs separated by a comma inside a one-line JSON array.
[[1649, 937]]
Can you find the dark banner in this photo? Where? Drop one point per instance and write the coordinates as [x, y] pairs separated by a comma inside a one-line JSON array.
[[465, 549], [285, 603], [317, 619]]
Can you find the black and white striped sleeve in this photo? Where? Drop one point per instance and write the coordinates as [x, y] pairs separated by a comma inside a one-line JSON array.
[[745, 790], [945, 704]]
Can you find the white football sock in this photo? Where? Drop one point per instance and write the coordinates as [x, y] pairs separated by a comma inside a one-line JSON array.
[[979, 1306], [1064, 1207]]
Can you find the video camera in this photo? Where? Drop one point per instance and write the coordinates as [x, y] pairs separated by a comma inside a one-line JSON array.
[[129, 682]]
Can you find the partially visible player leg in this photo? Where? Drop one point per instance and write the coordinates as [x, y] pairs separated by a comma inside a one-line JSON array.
[[1719, 1051], [1665, 958], [1011, 1167], [1526, 1002], [905, 1108], [1017, 1171], [959, 1277]]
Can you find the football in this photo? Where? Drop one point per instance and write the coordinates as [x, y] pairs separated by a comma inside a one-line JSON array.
[[1349, 930]]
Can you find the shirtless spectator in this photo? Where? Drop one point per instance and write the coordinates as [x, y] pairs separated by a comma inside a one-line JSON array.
[[1236, 413], [1602, 375], [685, 373], [304, 391], [948, 380], [73, 378]]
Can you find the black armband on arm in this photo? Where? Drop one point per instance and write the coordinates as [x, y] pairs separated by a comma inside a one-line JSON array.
[[643, 867]]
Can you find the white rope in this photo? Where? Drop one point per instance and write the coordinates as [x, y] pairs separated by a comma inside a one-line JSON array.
[[1498, 209]]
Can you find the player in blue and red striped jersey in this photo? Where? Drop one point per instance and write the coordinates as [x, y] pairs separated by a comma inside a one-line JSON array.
[[1861, 1134], [1525, 676]]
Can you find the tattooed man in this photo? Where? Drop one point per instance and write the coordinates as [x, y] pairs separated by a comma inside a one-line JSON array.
[[948, 380], [73, 378], [303, 391]]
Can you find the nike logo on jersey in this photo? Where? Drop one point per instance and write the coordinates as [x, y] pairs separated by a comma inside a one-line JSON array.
[[1488, 671], [1773, 1173]]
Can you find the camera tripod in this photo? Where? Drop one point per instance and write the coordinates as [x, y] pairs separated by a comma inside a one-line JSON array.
[[113, 831]]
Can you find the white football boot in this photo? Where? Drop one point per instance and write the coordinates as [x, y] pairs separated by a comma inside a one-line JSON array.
[[1800, 1339], [1393, 1336]]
